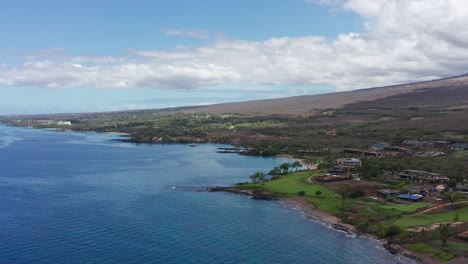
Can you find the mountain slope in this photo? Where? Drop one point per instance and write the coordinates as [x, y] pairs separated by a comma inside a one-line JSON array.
[[313, 103]]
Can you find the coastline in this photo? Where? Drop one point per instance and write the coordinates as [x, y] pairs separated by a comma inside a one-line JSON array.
[[312, 212], [309, 166], [336, 223], [116, 133]]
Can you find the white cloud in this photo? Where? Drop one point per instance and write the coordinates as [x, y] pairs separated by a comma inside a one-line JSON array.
[[403, 41], [194, 33]]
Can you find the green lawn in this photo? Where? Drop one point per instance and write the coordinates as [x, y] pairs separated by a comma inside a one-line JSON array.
[[289, 185], [406, 207], [429, 218]]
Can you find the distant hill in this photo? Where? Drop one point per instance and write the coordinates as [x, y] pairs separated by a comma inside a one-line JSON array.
[[313, 103], [433, 110]]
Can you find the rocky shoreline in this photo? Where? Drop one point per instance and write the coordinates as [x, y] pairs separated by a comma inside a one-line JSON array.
[[334, 222], [254, 193]]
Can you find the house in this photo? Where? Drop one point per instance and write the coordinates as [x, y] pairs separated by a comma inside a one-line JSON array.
[[411, 197], [421, 176], [387, 193], [338, 170], [64, 123], [349, 162], [399, 150], [459, 146], [362, 152], [379, 146], [440, 144]]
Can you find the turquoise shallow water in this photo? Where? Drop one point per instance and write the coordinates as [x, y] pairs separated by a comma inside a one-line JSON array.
[[83, 198]]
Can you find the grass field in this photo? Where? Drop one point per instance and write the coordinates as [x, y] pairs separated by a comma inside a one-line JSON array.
[[289, 186], [428, 218], [406, 207]]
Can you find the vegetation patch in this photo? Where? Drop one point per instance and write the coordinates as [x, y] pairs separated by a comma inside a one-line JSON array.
[[444, 256], [420, 247], [408, 208], [427, 219]]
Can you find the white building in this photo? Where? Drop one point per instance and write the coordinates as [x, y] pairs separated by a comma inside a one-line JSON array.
[[64, 123]]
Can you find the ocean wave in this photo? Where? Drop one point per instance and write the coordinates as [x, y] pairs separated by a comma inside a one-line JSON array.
[[6, 141]]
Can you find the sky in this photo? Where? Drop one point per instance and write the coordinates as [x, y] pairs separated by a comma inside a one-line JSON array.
[[86, 56]]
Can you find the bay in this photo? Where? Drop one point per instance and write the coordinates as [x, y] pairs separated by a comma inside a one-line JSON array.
[[68, 197]]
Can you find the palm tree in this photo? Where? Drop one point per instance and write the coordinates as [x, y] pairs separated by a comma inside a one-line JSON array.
[[285, 167], [257, 177], [296, 165], [275, 172]]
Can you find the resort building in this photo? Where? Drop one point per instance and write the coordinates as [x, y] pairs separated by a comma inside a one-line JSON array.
[[440, 144], [421, 176], [459, 146], [387, 193], [64, 123], [379, 146], [363, 152], [349, 162]]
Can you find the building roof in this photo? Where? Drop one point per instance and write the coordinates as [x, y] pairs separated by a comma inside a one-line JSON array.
[[423, 172], [388, 191], [349, 160], [413, 197]]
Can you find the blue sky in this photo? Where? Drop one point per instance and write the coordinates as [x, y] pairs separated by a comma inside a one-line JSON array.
[[81, 56]]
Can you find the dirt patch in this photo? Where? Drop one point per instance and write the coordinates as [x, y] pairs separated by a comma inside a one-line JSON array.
[[433, 226], [368, 188]]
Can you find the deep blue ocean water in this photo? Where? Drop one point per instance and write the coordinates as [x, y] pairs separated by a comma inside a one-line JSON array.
[[68, 197]]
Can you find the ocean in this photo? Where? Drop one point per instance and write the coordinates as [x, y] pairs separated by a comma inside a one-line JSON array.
[[71, 197]]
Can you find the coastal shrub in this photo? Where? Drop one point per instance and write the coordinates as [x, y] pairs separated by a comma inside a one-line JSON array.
[[407, 237], [363, 226], [355, 194], [374, 229], [444, 256], [301, 193], [392, 230], [420, 247]]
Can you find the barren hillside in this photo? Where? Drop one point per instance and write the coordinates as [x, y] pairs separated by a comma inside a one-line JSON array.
[[312, 103]]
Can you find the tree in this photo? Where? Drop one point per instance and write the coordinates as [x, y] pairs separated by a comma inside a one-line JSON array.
[[392, 230], [444, 233], [326, 163], [275, 172], [450, 197], [256, 177], [296, 165], [456, 218], [344, 191], [318, 193], [452, 183], [261, 177], [285, 167], [445, 196], [453, 198]]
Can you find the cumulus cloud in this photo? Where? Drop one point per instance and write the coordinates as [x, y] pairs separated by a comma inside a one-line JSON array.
[[403, 41]]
